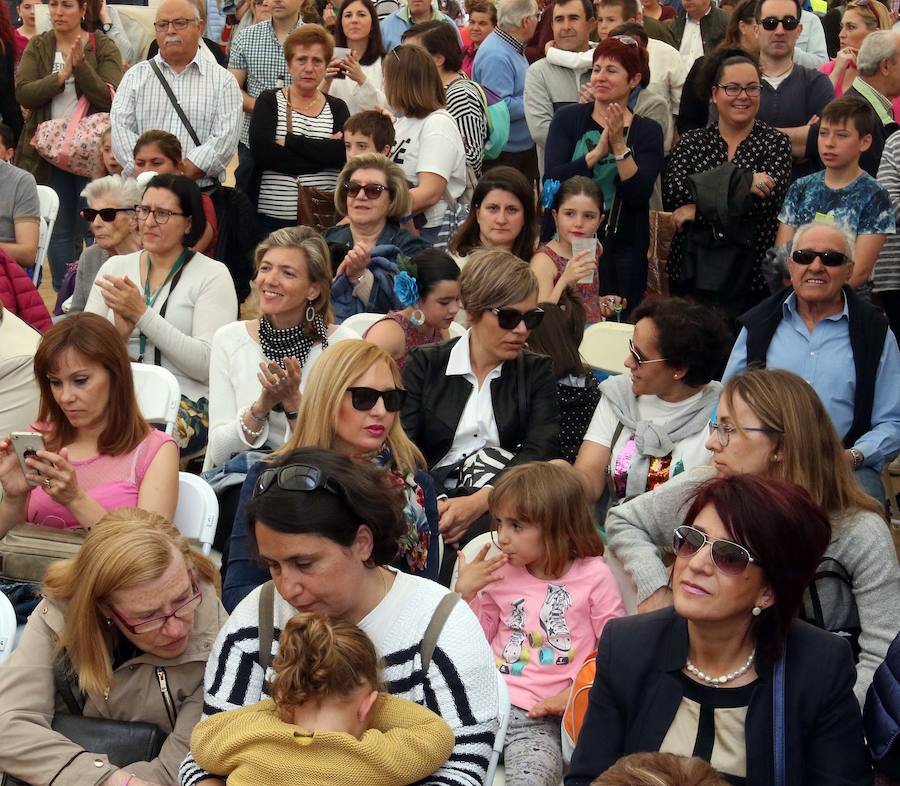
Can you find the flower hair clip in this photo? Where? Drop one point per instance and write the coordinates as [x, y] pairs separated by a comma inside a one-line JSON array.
[[549, 192], [406, 289]]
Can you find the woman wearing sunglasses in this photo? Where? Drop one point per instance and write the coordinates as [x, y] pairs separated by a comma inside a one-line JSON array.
[[651, 424], [326, 526], [481, 403], [167, 301], [259, 368], [772, 424], [729, 674], [110, 215], [351, 405], [133, 617], [860, 18]]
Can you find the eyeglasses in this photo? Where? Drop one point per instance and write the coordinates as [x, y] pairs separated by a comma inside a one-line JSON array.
[[729, 557], [297, 477], [770, 23], [626, 39], [723, 431], [179, 24], [734, 90], [371, 190], [182, 612], [806, 256], [509, 318], [363, 399], [107, 214], [641, 360], [160, 215]]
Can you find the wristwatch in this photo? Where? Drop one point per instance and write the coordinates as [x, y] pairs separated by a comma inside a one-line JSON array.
[[626, 154], [858, 458], [105, 27]]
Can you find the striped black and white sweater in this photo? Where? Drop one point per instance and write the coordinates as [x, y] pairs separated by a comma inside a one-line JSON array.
[[460, 686]]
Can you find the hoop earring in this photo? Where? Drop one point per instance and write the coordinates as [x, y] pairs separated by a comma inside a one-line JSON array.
[[417, 317], [310, 311]]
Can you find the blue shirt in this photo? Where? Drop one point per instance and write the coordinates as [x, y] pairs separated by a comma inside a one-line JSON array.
[[501, 66], [824, 358]]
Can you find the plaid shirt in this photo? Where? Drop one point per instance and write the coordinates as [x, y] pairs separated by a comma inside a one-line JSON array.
[[209, 96], [258, 52]]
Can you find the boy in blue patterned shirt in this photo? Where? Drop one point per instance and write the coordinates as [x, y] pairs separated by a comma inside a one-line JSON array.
[[843, 192]]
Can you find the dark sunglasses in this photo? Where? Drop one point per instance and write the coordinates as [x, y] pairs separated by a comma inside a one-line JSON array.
[[107, 214], [806, 256], [371, 190], [364, 399], [297, 477], [729, 558], [770, 23], [509, 318]]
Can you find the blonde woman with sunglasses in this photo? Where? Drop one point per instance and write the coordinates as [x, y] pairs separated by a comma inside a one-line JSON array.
[[860, 18], [770, 423]]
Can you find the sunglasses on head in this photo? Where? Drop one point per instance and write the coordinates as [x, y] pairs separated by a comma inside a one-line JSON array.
[[107, 214], [729, 557], [371, 190], [509, 318], [297, 477], [806, 256], [770, 23], [626, 39], [364, 399]]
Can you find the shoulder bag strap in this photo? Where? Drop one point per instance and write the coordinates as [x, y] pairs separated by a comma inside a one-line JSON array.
[[175, 105], [520, 382], [611, 484], [266, 624], [157, 355], [435, 626], [778, 741], [61, 669]]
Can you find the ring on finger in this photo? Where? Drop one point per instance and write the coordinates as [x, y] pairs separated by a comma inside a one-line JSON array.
[[48, 484]]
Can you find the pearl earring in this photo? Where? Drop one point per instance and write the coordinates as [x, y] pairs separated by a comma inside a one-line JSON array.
[[756, 611]]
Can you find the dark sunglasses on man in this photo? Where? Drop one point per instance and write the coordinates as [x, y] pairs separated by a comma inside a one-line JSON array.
[[806, 256], [771, 23]]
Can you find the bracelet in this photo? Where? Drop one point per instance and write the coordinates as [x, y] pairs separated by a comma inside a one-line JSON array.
[[253, 415], [248, 431]]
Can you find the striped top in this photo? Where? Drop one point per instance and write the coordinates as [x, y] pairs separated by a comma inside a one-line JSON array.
[[887, 269], [277, 191], [465, 104]]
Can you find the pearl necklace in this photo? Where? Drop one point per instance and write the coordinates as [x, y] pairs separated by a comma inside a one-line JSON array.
[[719, 681]]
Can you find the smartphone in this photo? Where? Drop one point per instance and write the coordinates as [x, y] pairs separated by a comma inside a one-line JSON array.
[[340, 52], [27, 444]]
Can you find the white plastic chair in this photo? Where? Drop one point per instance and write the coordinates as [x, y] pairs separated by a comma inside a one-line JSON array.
[[197, 513], [49, 208], [503, 710], [360, 323], [605, 346], [158, 394], [7, 627]]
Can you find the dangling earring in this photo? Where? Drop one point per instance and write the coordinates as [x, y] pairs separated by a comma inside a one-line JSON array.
[[756, 611], [417, 317], [310, 311]]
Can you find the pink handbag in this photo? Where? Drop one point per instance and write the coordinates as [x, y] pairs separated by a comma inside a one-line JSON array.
[[73, 144]]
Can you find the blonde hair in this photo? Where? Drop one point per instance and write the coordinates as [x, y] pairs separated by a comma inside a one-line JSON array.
[[494, 278], [552, 498], [412, 84], [811, 453], [316, 257], [393, 178], [660, 769], [335, 371], [320, 658], [126, 548], [874, 14]]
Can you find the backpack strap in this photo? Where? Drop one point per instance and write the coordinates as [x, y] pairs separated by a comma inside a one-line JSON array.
[[266, 624], [435, 626]]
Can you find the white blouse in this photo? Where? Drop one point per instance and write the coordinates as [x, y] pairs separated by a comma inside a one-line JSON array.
[[368, 95]]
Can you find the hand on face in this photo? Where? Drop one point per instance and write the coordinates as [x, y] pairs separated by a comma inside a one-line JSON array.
[[474, 576]]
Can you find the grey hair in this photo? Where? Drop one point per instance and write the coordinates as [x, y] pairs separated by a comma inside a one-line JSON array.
[[879, 45], [511, 13], [838, 227], [125, 191]]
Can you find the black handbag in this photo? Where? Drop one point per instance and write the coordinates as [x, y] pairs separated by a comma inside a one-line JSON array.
[[122, 742]]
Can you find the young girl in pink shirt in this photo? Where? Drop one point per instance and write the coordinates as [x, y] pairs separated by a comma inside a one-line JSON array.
[[543, 603]]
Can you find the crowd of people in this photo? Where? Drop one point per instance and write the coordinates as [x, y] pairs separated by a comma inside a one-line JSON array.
[[366, 245]]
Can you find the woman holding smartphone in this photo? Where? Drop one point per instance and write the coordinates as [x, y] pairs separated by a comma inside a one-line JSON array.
[[98, 451]]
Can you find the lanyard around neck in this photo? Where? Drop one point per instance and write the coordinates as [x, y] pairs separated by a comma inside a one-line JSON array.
[[150, 300]]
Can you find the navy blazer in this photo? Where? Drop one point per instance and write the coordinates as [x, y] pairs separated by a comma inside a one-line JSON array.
[[638, 690], [527, 416]]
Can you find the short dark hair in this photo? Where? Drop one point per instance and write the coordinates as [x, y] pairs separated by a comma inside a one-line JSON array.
[[850, 109], [366, 497], [438, 38], [715, 65], [629, 7], [7, 137], [744, 11], [483, 7], [761, 3], [579, 185], [190, 201], [589, 11], [374, 124], [559, 336], [433, 266], [375, 45], [785, 531], [690, 336], [633, 29]]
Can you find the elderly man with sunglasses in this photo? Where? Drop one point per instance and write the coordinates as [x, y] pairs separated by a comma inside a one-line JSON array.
[[840, 344]]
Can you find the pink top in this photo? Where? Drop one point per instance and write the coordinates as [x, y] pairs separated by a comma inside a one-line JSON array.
[[839, 87], [113, 481], [541, 631], [589, 293]]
